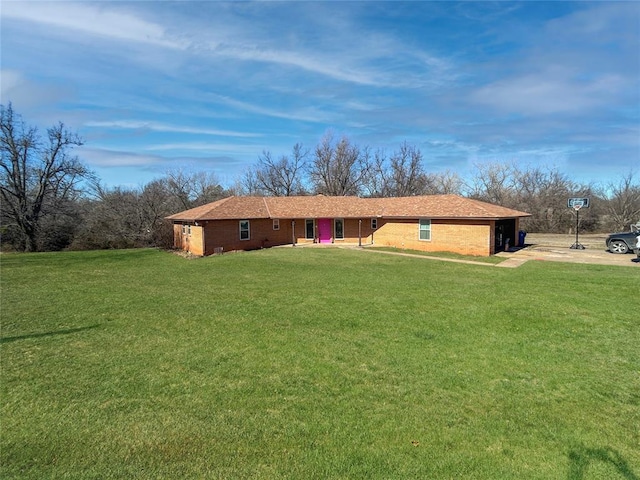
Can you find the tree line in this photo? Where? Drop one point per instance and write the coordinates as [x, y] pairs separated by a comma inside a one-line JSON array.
[[50, 200]]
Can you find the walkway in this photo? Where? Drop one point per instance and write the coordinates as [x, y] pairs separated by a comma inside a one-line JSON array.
[[591, 255], [427, 257]]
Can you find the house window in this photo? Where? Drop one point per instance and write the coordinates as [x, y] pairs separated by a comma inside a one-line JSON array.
[[309, 229], [276, 224], [186, 229], [374, 223], [339, 225], [244, 230], [425, 229]]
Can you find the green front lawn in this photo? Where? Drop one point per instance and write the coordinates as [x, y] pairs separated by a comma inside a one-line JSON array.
[[316, 364]]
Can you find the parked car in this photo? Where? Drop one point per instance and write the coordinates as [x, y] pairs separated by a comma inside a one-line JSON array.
[[622, 242]]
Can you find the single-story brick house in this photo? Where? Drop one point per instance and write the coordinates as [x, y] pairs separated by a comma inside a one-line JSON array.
[[430, 223]]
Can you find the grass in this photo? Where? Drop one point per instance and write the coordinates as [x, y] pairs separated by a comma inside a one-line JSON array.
[[316, 364]]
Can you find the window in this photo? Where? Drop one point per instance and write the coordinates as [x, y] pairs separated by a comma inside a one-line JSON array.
[[244, 230], [425, 229], [276, 224], [374, 223], [339, 225], [186, 229], [309, 229]]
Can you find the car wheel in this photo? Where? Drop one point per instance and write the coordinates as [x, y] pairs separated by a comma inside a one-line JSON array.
[[618, 246]]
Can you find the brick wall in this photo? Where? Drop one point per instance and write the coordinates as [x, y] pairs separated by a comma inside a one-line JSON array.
[[351, 228], [226, 234], [465, 237], [189, 242]]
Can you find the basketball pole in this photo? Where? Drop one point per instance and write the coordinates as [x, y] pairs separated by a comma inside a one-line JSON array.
[[577, 246]]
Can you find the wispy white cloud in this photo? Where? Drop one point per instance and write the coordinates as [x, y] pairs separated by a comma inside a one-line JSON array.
[[347, 51], [207, 148], [100, 19], [133, 169], [546, 93], [306, 114], [465, 82], [569, 68], [353, 57], [24, 93], [11, 80], [313, 62], [608, 21], [104, 157], [163, 127]]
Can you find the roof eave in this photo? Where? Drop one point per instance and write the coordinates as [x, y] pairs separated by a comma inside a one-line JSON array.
[[453, 217]]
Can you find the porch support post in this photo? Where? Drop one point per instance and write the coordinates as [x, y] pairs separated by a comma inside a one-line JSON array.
[[293, 233], [360, 232]]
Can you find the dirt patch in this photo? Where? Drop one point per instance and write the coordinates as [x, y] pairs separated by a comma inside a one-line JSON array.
[[556, 247], [183, 254]]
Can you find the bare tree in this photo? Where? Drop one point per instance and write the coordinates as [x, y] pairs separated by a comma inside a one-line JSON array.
[[115, 219], [192, 189], [402, 175], [247, 184], [493, 183], [543, 192], [206, 188], [407, 172], [155, 202], [38, 179], [623, 203], [443, 183], [135, 217], [376, 183], [339, 169], [180, 187], [127, 217], [283, 177]]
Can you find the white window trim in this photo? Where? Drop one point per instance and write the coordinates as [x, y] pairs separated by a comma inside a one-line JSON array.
[[420, 230], [335, 228], [374, 224], [248, 229], [276, 224]]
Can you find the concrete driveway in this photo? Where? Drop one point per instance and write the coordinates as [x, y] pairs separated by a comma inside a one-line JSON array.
[[556, 248]]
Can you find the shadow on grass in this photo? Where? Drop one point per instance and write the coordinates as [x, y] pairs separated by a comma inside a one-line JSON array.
[[66, 331], [580, 458]]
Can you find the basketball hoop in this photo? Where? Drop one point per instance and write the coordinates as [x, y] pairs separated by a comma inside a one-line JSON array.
[[577, 204]]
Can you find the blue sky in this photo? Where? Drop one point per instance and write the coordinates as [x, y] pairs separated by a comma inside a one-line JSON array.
[[154, 86]]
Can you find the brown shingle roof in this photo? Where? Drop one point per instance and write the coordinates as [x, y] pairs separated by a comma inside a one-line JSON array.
[[229, 208], [444, 206], [320, 206], [428, 206]]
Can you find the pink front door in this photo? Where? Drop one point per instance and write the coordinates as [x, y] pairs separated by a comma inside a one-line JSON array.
[[324, 230]]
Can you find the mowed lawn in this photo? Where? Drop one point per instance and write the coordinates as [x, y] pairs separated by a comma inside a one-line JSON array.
[[300, 363]]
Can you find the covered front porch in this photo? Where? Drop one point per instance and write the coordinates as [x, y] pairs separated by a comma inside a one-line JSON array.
[[327, 231]]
